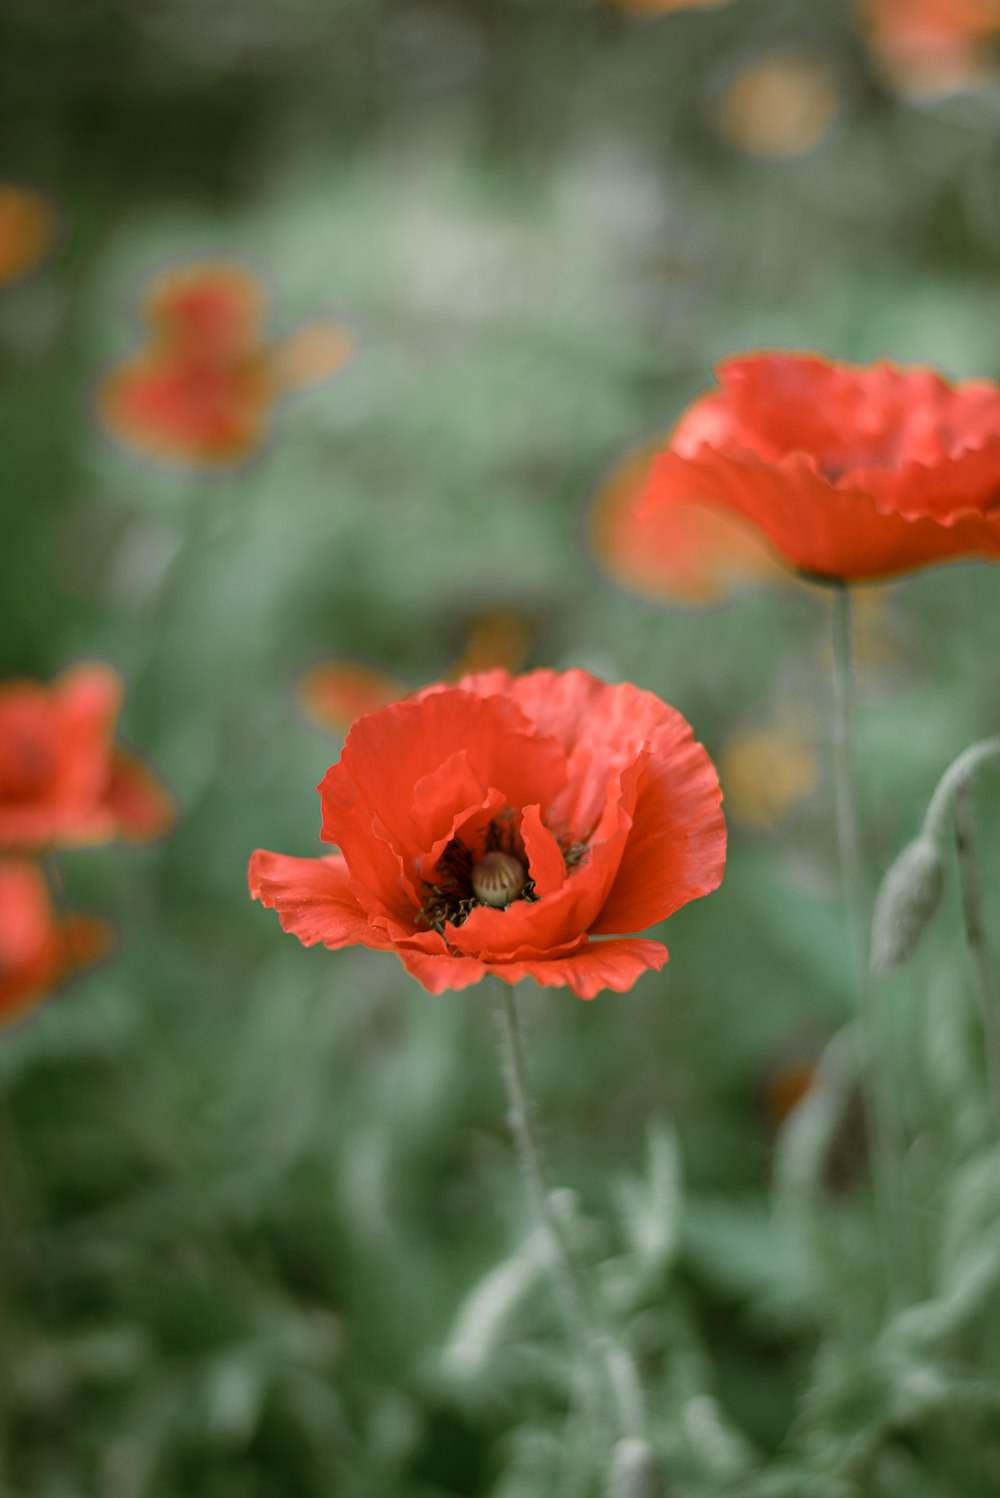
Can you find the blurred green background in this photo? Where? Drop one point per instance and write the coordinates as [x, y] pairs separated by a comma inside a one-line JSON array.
[[247, 1188]]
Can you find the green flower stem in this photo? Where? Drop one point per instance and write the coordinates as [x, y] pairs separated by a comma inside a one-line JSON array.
[[595, 1344], [878, 1096], [971, 883], [960, 772]]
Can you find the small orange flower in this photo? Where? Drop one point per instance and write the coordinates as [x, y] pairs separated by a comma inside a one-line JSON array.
[[778, 107], [63, 781], [850, 472], [769, 770], [688, 553], [38, 948], [28, 225], [205, 387], [668, 7], [500, 826], [931, 47], [333, 694]]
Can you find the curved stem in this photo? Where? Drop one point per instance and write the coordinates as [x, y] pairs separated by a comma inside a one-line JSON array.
[[971, 884], [594, 1342], [958, 773], [879, 1102]]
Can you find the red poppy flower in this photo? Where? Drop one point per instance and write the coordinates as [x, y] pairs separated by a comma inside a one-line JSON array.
[[204, 388], [931, 47], [63, 781], [500, 825], [850, 472], [38, 949]]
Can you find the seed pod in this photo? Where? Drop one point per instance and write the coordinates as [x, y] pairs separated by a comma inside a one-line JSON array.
[[498, 878], [905, 904]]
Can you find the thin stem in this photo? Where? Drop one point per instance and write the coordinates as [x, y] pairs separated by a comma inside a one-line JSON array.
[[958, 773], [879, 1103], [595, 1344], [971, 883]]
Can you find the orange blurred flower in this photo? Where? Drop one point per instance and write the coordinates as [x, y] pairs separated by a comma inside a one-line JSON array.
[[926, 48], [767, 771], [63, 781], [778, 107], [691, 553], [39, 948], [667, 7], [204, 388], [333, 694], [28, 226]]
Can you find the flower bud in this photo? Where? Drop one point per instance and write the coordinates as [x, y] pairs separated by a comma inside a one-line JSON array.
[[498, 878], [634, 1471], [906, 901]]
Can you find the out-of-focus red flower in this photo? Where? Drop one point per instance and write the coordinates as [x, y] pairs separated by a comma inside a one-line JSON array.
[[850, 472], [926, 48], [779, 106], [688, 553], [501, 825], [63, 781], [204, 388], [38, 947], [28, 226]]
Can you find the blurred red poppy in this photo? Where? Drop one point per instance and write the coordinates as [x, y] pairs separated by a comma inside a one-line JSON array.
[[930, 47], [204, 388], [63, 781], [500, 825], [39, 948], [28, 224], [687, 553], [850, 472]]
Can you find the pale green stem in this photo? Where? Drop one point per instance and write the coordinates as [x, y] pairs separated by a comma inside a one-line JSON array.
[[971, 884], [957, 774], [594, 1342], [878, 1097]]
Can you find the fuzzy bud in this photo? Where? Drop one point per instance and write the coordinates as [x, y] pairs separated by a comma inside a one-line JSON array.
[[906, 901], [498, 878], [634, 1471]]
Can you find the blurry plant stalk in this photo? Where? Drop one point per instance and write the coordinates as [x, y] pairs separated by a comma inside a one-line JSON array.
[[878, 1092], [600, 1351], [954, 796]]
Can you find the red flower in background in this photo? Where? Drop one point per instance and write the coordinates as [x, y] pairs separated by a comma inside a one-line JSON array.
[[38, 949], [500, 825], [850, 472], [932, 47], [204, 388], [63, 781]]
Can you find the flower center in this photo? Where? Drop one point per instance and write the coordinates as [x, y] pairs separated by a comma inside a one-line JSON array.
[[494, 874], [498, 878]]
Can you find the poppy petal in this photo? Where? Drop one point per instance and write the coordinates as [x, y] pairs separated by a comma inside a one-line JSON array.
[[141, 805], [314, 899], [676, 850]]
